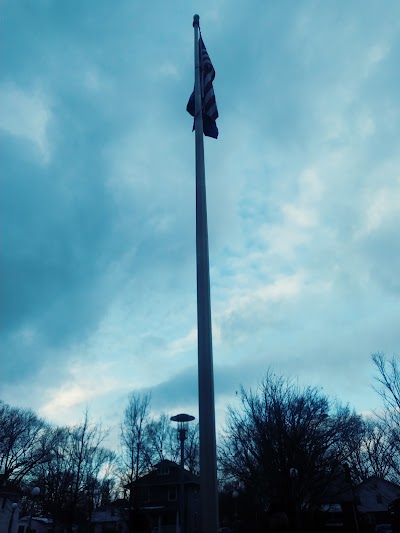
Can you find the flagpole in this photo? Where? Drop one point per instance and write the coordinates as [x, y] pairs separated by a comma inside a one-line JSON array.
[[208, 454]]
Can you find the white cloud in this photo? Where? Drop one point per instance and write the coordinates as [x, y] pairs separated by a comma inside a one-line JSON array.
[[298, 218], [26, 114], [376, 53], [246, 310], [96, 81], [183, 344], [302, 212], [382, 206], [26, 335], [366, 125], [86, 382], [281, 289], [169, 70]]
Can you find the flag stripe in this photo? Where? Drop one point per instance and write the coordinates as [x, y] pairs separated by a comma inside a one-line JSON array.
[[208, 75], [209, 105]]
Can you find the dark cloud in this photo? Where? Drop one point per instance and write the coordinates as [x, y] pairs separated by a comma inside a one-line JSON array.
[[182, 388], [57, 238], [382, 254], [97, 210]]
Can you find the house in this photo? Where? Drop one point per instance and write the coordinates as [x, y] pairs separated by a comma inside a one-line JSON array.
[[365, 503], [157, 495], [9, 505], [338, 505], [111, 519], [374, 496], [38, 525]]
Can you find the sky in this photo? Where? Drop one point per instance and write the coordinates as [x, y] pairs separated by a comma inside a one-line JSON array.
[[97, 203]]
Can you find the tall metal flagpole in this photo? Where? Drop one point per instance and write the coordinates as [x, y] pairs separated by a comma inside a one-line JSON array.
[[208, 454]]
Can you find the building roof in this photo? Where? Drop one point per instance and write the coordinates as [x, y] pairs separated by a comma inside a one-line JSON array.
[[40, 519], [375, 494], [103, 516], [376, 480], [167, 473]]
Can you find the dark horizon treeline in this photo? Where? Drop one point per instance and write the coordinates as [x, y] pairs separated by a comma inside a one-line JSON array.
[[279, 429], [75, 472]]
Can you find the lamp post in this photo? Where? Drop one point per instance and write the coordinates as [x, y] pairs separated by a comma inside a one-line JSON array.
[[293, 474], [14, 505], [235, 496], [34, 492], [353, 503], [183, 423]]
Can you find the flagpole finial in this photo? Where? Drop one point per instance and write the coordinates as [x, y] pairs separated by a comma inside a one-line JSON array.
[[196, 21]]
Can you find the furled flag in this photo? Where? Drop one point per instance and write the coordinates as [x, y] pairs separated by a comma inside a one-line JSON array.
[[210, 111]]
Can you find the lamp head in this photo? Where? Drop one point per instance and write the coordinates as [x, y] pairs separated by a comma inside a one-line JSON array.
[[35, 491], [183, 420]]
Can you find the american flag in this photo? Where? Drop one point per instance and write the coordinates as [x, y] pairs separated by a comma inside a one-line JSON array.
[[210, 111]]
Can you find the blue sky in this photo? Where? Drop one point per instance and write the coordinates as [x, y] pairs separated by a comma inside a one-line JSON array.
[[98, 202]]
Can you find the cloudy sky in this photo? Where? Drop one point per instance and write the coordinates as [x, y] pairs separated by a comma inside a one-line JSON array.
[[97, 199]]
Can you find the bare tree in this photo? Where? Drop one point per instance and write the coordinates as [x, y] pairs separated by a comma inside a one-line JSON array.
[[136, 453], [388, 380], [164, 442], [282, 432], [87, 457], [25, 442], [55, 479], [135, 449], [374, 453], [192, 449], [72, 481], [388, 387]]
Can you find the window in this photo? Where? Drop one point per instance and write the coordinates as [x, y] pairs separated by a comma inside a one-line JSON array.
[[21, 529], [163, 471], [172, 493]]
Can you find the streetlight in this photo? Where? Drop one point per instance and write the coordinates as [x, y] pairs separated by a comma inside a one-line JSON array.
[[14, 505], [293, 474], [235, 496], [347, 474], [34, 492], [183, 424]]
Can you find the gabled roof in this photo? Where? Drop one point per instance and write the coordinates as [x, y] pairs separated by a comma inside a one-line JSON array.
[[376, 481], [167, 463], [105, 516], [167, 473], [39, 519], [375, 494]]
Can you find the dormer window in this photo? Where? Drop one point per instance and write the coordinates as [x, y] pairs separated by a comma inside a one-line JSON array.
[[163, 471]]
